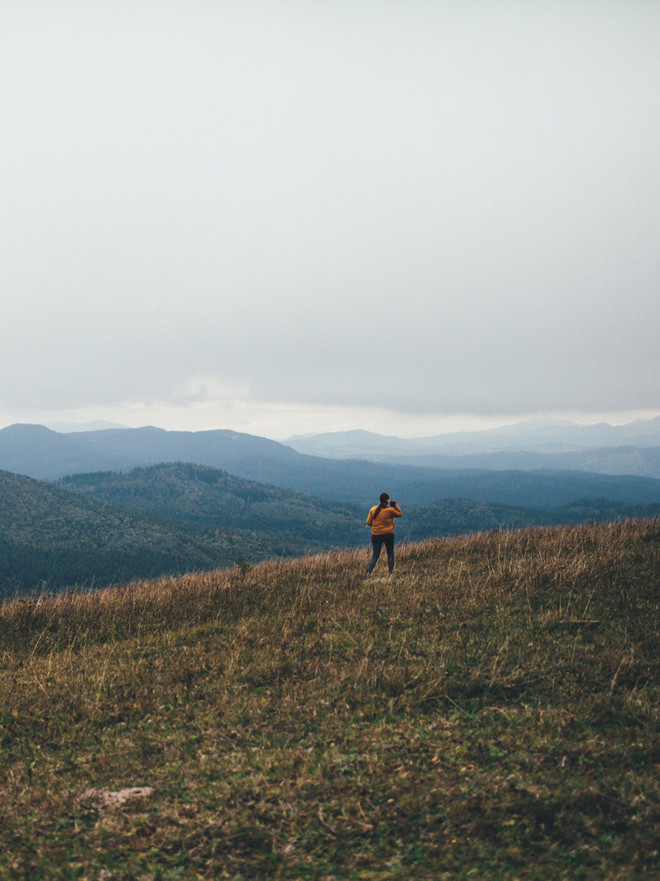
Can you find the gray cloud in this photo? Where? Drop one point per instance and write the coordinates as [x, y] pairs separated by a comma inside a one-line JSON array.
[[434, 208]]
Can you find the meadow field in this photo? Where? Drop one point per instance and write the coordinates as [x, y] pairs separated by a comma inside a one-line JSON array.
[[491, 711]]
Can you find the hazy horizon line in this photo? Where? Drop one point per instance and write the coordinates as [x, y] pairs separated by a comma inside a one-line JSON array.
[[471, 424]]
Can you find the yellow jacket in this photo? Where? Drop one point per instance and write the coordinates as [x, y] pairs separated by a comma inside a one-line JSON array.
[[384, 522]]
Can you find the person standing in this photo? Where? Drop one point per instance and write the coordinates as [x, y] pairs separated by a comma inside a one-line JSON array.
[[381, 519]]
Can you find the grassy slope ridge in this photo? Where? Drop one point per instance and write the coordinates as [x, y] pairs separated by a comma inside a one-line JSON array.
[[490, 711], [177, 518]]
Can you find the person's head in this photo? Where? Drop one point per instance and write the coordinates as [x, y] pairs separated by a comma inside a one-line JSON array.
[[384, 498]]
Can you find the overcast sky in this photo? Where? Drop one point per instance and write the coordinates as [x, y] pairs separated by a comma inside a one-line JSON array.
[[285, 217]]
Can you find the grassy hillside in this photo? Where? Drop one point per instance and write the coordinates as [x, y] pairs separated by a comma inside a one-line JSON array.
[[490, 711]]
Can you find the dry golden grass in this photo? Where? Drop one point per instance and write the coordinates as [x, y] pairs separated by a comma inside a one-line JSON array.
[[490, 710]]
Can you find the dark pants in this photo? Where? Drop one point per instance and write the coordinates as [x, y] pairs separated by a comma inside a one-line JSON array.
[[378, 541]]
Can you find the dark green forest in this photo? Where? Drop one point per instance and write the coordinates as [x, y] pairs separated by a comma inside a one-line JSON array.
[[201, 494], [52, 537], [450, 517]]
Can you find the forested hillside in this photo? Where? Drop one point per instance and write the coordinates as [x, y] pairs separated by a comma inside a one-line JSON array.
[[448, 517], [201, 494], [53, 537], [206, 495]]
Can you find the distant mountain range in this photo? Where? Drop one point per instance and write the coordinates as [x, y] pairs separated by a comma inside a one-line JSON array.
[[549, 437], [639, 461], [199, 494], [527, 446], [35, 451], [73, 427], [53, 537]]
